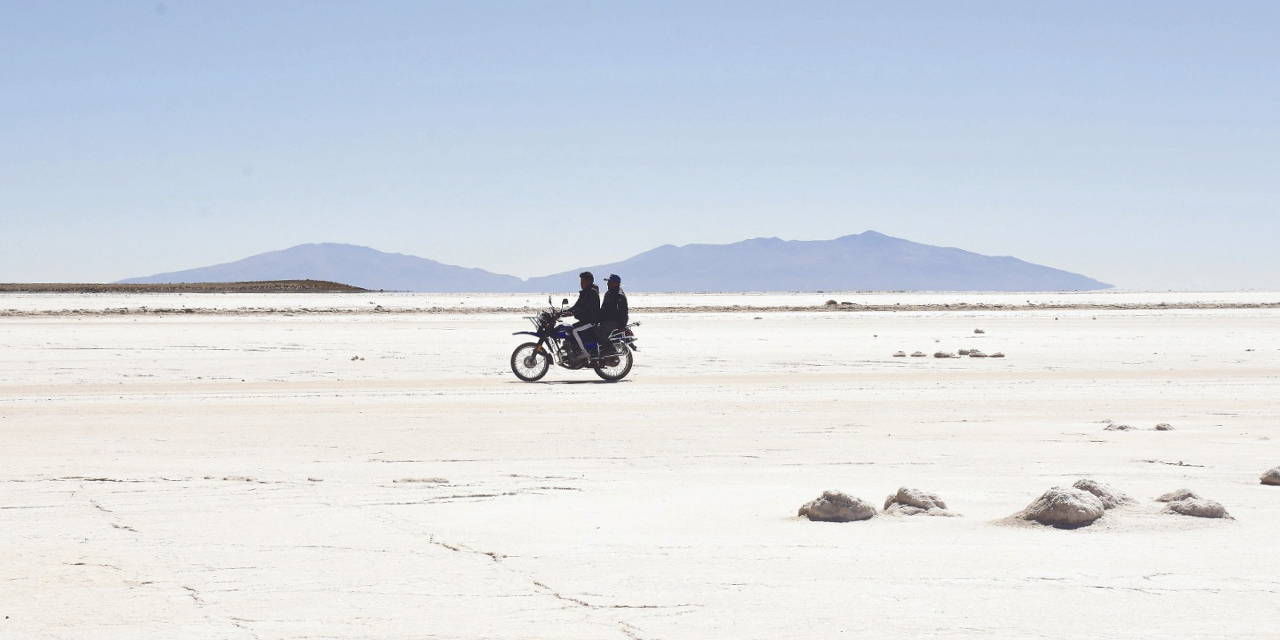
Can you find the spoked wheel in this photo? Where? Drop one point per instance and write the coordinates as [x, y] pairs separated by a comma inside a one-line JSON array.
[[616, 367], [528, 363]]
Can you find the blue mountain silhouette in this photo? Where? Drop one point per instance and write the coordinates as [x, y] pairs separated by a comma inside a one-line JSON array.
[[867, 261]]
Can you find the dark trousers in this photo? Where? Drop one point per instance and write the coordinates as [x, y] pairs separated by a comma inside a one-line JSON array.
[[604, 329], [580, 328]]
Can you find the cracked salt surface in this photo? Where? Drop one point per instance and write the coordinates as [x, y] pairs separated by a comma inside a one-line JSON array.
[[146, 491]]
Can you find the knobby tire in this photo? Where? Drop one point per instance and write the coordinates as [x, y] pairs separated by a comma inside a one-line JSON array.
[[529, 364]]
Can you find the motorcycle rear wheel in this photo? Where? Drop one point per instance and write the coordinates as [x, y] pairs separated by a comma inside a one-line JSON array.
[[528, 363], [616, 367]]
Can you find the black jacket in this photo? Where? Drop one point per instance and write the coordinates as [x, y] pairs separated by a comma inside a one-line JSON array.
[[614, 307], [587, 308]]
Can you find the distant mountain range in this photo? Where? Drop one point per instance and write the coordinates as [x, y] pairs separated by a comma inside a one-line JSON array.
[[867, 261], [349, 264]]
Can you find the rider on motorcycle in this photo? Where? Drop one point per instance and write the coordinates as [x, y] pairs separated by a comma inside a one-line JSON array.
[[586, 310], [613, 312]]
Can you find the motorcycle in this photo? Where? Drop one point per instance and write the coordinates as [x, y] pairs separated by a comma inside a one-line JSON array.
[[531, 360]]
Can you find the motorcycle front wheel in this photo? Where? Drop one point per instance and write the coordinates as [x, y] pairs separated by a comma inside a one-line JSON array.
[[616, 367], [528, 363]]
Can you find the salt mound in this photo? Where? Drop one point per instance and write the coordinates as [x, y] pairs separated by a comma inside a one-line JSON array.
[[944, 354], [1180, 494], [997, 354], [1064, 507], [1272, 477], [1110, 497], [1164, 426], [1198, 507], [963, 352], [979, 331], [1118, 427], [909, 502], [835, 506], [900, 354], [918, 354], [977, 354]]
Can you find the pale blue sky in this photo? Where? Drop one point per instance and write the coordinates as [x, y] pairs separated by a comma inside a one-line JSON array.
[[1135, 142]]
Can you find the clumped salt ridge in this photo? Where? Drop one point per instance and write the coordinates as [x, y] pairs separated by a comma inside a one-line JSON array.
[[1272, 477], [1064, 507], [1198, 507], [909, 502], [1106, 493], [836, 506], [1180, 494]]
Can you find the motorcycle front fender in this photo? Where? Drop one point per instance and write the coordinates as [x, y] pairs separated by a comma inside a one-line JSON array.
[[525, 333]]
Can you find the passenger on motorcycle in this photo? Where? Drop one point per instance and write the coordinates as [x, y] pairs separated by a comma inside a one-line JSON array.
[[586, 310], [613, 312]]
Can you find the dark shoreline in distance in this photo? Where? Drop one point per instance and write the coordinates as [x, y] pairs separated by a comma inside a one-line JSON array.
[[268, 286]]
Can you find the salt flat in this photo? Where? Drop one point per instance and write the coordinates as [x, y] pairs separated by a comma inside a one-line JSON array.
[[242, 476], [12, 304]]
